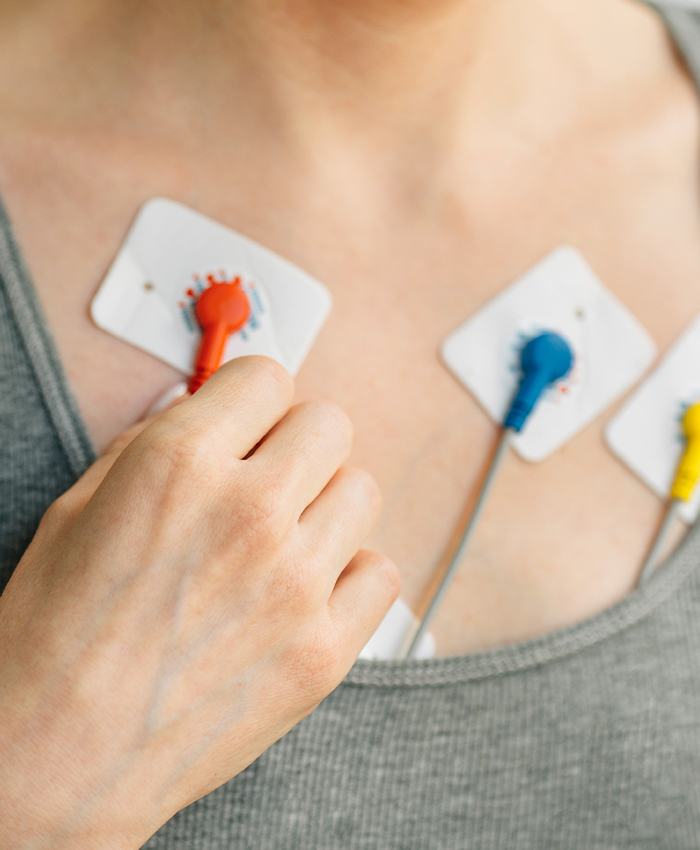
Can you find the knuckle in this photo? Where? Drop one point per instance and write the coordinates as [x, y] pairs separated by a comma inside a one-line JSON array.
[[327, 415], [267, 370], [364, 484], [200, 460], [175, 451], [161, 447]]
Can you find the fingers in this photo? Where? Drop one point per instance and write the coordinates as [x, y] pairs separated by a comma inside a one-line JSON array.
[[225, 419], [90, 480], [234, 410], [337, 523], [364, 592], [303, 451]]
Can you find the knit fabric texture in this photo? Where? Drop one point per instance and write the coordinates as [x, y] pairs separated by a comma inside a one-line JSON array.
[[585, 738]]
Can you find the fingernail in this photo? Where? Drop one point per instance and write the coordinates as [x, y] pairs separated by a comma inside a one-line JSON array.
[[168, 397]]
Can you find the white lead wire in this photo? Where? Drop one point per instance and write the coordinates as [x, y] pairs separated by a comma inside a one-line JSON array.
[[660, 541], [437, 597]]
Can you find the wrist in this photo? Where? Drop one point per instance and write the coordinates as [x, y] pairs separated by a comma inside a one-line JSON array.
[[29, 828], [43, 810]]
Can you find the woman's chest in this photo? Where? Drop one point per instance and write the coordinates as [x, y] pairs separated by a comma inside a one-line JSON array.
[[559, 540]]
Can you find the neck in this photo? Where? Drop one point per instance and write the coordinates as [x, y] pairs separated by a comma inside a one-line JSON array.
[[320, 78]]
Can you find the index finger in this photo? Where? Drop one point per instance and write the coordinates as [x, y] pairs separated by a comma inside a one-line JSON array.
[[234, 410]]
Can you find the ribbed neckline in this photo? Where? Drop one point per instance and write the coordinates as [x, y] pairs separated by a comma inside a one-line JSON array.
[[542, 650], [42, 352], [75, 440]]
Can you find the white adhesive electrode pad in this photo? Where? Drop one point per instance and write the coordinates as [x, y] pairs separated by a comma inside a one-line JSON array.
[[147, 297], [647, 434], [562, 294], [388, 640]]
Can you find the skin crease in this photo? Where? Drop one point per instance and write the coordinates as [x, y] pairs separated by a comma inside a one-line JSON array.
[[416, 157]]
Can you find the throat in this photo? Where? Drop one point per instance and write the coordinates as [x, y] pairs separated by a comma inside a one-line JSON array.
[[384, 86]]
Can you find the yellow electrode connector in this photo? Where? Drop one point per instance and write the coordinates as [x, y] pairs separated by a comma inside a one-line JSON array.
[[688, 472], [684, 484]]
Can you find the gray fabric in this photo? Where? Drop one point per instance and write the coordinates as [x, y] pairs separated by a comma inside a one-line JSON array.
[[586, 738]]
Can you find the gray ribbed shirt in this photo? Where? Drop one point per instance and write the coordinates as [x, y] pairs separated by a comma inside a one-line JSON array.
[[585, 738]]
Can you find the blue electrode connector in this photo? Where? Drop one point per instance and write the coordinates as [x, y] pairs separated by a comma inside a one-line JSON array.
[[544, 360]]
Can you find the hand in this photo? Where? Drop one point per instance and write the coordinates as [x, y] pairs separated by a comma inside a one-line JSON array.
[[193, 596]]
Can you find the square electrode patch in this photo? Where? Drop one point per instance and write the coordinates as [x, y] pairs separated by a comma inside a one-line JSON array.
[[647, 434], [147, 297], [389, 639], [562, 294]]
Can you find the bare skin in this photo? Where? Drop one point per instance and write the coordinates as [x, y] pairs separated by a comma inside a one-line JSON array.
[[193, 596], [416, 182]]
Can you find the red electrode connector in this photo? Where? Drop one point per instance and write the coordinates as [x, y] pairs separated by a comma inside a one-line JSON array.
[[221, 309]]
